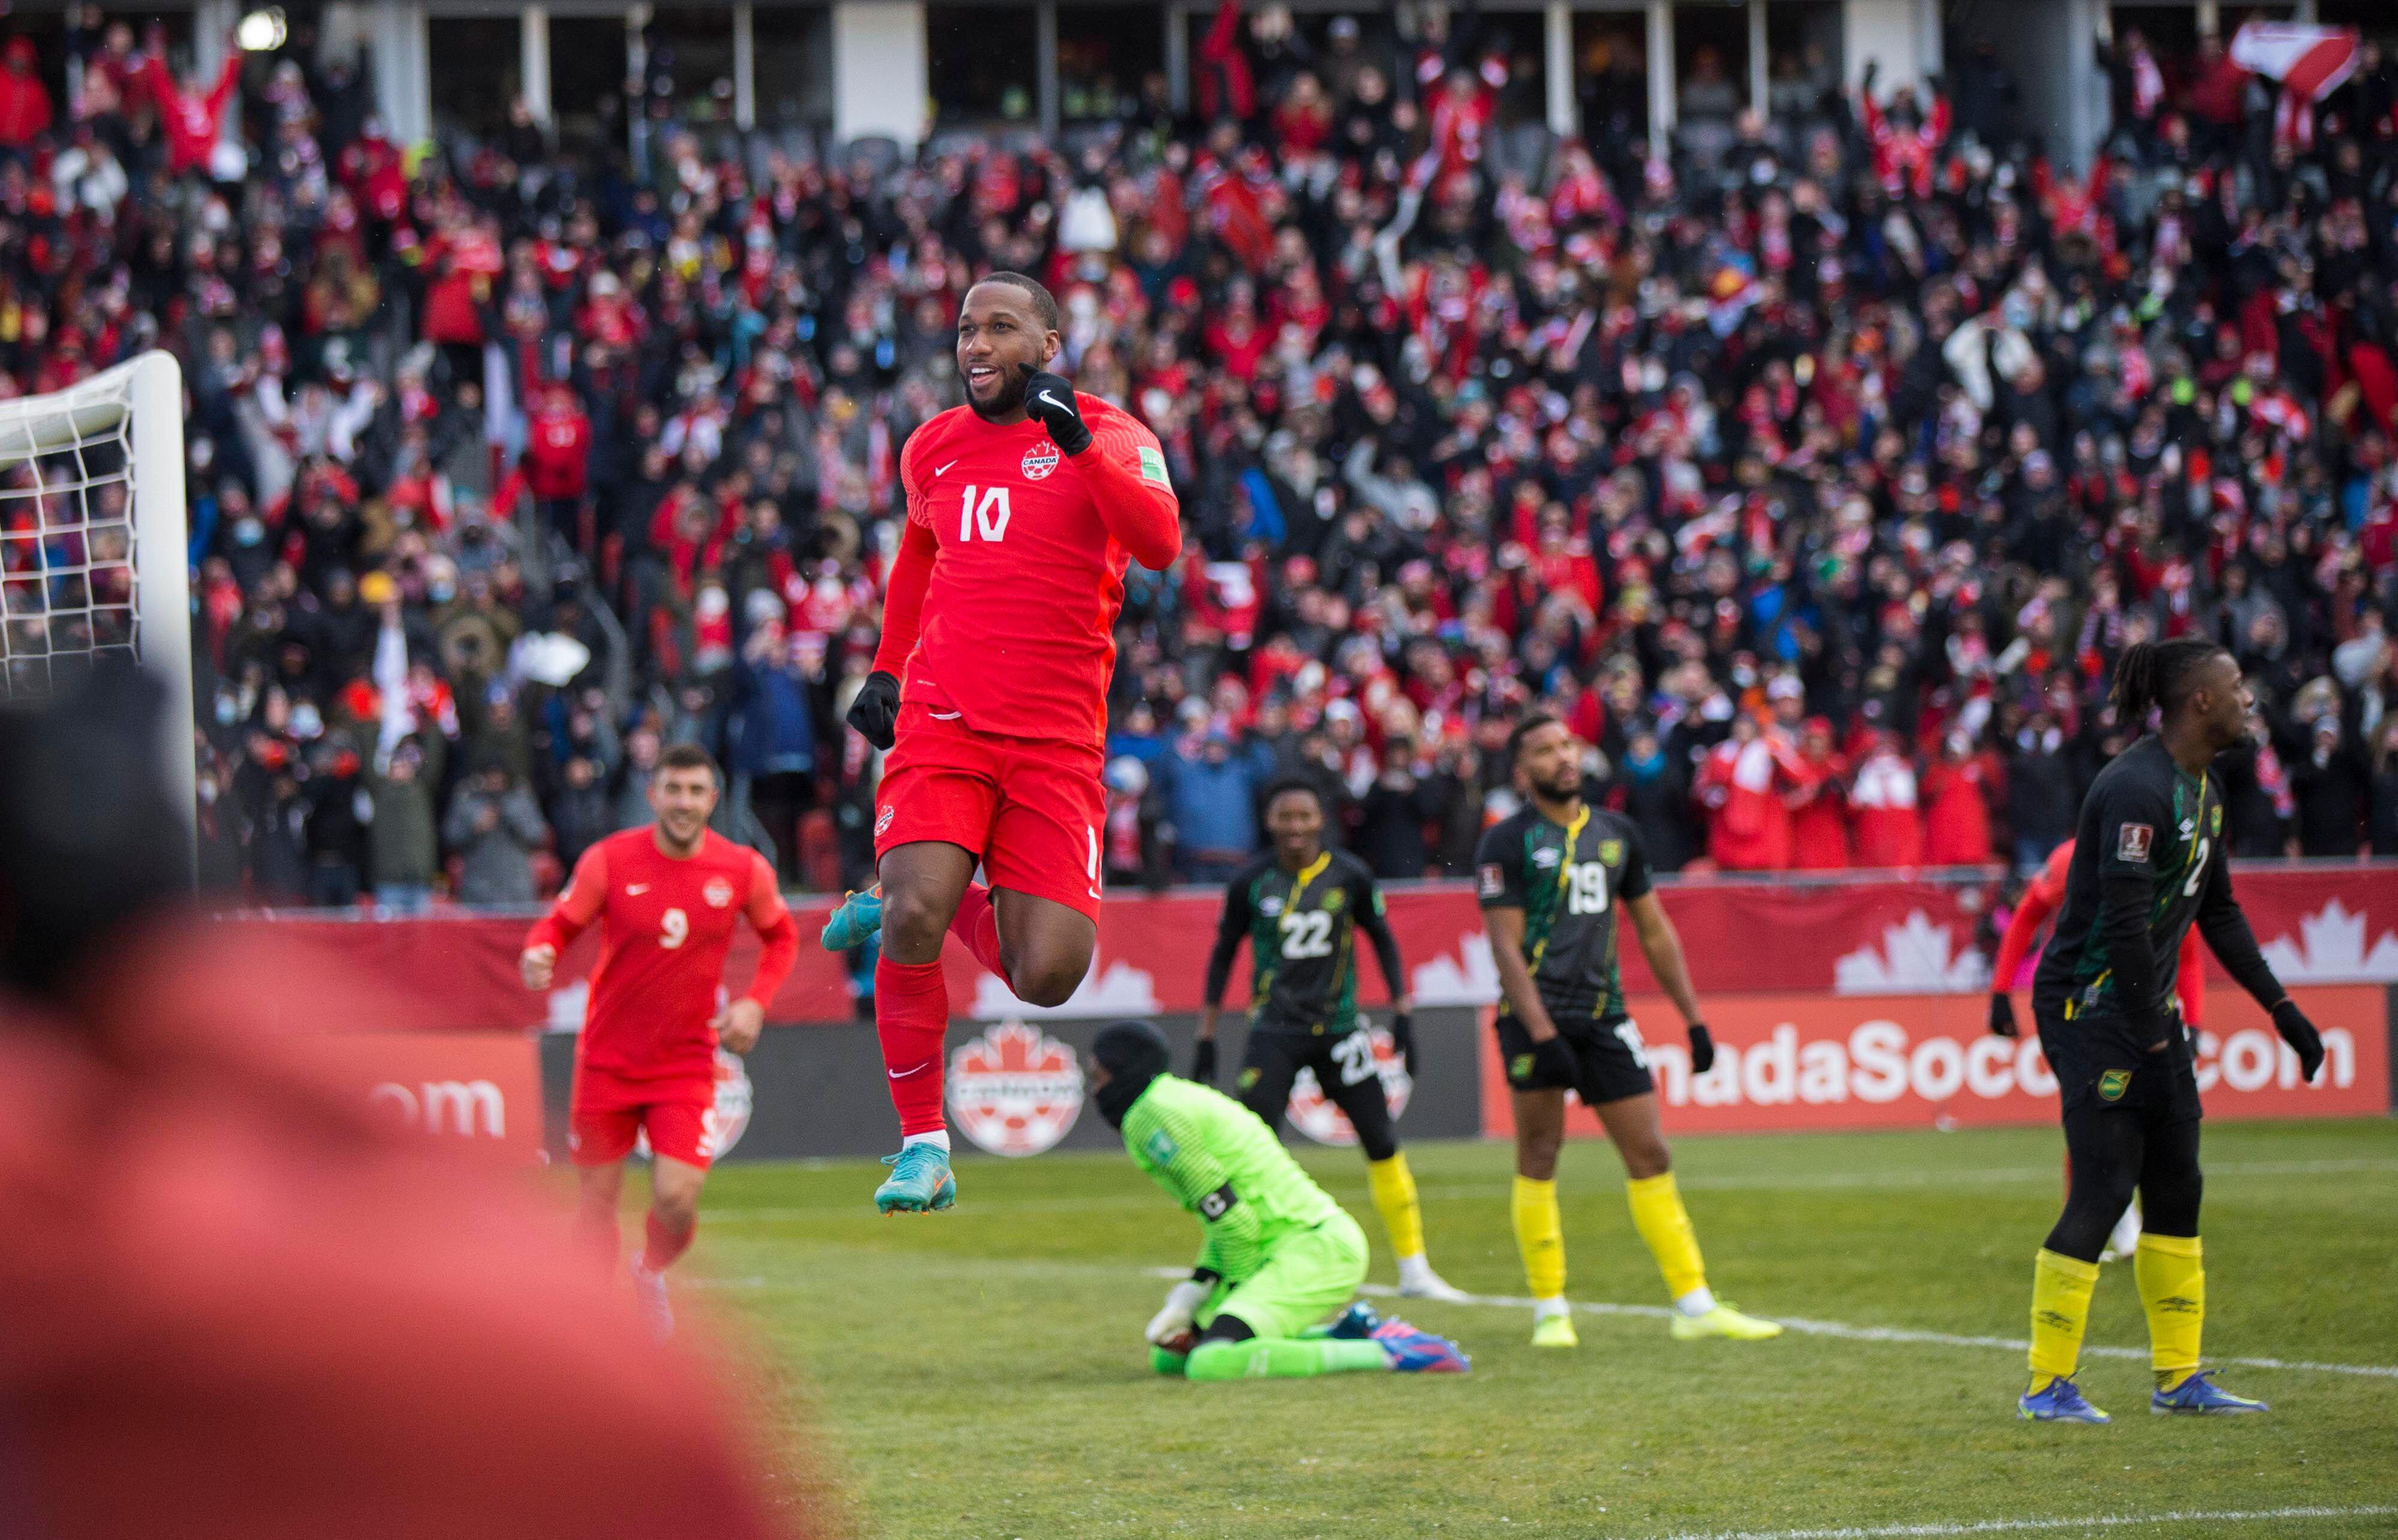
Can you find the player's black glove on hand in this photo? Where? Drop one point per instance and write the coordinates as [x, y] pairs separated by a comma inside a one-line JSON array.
[[1202, 1061], [1050, 401], [1403, 1038], [875, 713], [1554, 1061], [1703, 1048], [2003, 1016], [2301, 1033]]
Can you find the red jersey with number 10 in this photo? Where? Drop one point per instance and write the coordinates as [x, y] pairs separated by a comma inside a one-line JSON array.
[[665, 925], [1019, 634]]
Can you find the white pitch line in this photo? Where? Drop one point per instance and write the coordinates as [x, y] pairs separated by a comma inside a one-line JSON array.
[[1890, 1333], [2018, 1526]]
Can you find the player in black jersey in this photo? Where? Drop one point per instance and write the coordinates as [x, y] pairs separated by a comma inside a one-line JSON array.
[[1552, 878], [1300, 906], [2149, 861]]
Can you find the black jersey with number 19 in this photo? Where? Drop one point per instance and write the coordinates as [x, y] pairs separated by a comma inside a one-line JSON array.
[[1567, 880]]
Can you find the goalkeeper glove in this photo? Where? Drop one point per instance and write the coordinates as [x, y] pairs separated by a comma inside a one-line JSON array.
[[2003, 1015], [1050, 401], [1403, 1038], [875, 713], [1182, 1302], [1703, 1048], [2301, 1033], [1202, 1061]]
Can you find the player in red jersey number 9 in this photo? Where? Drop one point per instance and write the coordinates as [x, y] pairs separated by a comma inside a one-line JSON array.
[[1024, 507]]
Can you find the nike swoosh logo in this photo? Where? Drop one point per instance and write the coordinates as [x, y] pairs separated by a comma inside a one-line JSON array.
[[634, 890], [902, 1074], [1047, 399], [943, 468]]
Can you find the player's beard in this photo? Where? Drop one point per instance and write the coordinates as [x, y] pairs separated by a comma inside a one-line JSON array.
[[1009, 400], [1563, 787]]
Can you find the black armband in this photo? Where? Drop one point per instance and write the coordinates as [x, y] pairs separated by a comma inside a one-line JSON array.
[[1216, 1205]]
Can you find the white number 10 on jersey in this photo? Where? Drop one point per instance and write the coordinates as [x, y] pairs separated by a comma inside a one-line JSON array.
[[987, 518]]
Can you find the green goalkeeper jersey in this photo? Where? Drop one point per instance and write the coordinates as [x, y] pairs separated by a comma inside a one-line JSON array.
[[1218, 1160]]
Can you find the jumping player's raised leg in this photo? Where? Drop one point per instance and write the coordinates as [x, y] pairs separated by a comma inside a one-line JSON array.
[[1638, 1134], [922, 884]]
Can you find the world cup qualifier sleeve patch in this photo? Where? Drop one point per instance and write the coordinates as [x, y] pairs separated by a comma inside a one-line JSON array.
[[1495, 880], [1152, 466], [2132, 843]]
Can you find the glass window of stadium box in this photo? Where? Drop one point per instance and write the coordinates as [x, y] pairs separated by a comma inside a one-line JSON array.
[[1711, 79], [1803, 69], [1610, 75], [1106, 57], [587, 79], [478, 69], [794, 66], [1335, 44], [691, 63], [982, 65]]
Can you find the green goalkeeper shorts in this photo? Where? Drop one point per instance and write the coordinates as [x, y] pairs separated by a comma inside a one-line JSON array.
[[1309, 1275]]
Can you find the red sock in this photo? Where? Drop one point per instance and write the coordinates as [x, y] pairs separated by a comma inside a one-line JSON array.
[[595, 1227], [976, 923], [666, 1243], [911, 1016]]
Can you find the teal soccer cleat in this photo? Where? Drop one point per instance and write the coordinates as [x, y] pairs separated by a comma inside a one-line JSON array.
[[2199, 1395], [920, 1180], [2058, 1401], [860, 915]]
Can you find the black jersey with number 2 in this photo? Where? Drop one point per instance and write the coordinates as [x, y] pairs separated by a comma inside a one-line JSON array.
[[1567, 879], [1302, 929]]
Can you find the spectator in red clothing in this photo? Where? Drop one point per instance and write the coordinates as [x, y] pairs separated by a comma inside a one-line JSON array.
[[557, 459], [1956, 804], [1887, 825], [1818, 811], [1745, 781], [193, 123], [25, 100]]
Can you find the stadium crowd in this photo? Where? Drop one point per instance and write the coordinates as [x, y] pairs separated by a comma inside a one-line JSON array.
[[1814, 472]]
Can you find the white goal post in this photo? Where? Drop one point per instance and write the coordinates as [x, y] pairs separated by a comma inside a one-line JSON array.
[[93, 535]]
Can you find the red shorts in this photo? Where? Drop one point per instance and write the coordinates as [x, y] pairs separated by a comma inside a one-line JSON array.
[[1032, 808], [605, 1113]]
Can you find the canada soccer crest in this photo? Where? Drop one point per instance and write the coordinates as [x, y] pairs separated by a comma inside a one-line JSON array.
[[718, 893], [1014, 1090], [1039, 461], [1312, 1114]]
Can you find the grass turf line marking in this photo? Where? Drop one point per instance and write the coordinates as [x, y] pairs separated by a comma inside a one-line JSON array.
[[2017, 1526], [1881, 1333]]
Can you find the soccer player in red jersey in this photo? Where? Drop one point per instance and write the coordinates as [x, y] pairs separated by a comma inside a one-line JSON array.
[[1024, 507], [666, 896], [2043, 897]]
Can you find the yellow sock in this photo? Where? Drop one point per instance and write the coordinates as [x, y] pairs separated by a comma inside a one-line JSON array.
[[1541, 1235], [2060, 1308], [2172, 1288], [1658, 1214], [1394, 1199]]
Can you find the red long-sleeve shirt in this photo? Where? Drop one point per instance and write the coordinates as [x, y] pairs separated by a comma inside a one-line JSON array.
[[192, 121], [665, 926], [2043, 897]]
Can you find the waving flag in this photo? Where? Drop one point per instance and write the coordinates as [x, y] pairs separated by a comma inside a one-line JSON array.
[[2310, 61]]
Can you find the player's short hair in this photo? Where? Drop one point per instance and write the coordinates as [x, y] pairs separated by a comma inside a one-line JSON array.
[[686, 756], [1527, 727], [1282, 785], [1044, 304]]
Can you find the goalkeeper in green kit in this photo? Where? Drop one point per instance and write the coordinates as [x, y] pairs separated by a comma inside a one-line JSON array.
[[1280, 1257]]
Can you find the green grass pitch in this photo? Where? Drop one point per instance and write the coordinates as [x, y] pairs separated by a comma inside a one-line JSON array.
[[980, 1373]]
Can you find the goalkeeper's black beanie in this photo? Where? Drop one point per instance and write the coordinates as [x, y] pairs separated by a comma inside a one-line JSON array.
[[1134, 1053]]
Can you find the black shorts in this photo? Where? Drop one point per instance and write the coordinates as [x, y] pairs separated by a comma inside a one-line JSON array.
[[1344, 1067], [2101, 1065], [1609, 1064]]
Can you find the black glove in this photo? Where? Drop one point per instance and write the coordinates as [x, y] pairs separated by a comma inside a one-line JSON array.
[[2301, 1033], [2003, 1015], [1403, 1038], [1202, 1061], [1554, 1061], [875, 713], [1050, 401], [1703, 1048]]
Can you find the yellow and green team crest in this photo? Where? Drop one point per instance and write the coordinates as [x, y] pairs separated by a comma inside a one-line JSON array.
[[1332, 902], [1521, 1067], [2215, 820], [2113, 1083], [1610, 851]]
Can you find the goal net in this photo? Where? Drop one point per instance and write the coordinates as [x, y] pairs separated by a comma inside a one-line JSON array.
[[92, 541]]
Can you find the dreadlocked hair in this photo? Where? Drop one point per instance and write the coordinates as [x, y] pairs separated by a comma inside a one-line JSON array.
[[2157, 676]]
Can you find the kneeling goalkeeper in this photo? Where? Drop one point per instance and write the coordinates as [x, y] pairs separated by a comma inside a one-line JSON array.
[[1279, 1257]]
